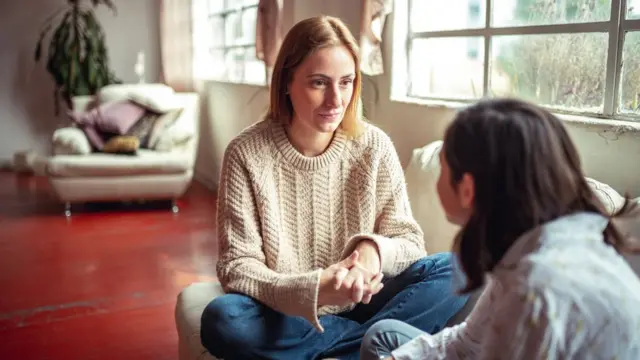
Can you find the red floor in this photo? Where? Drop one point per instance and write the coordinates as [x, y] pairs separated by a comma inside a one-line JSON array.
[[101, 285]]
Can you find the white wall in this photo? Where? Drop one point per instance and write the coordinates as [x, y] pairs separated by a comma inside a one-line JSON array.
[[26, 91], [608, 157]]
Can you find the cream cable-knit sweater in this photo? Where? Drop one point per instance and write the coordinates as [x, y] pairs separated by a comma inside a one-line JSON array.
[[283, 217]]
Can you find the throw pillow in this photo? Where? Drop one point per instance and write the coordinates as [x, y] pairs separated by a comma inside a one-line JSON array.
[[611, 199], [125, 144], [115, 118], [142, 128], [163, 124]]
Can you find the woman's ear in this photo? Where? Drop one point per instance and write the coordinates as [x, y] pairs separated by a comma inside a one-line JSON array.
[[466, 191]]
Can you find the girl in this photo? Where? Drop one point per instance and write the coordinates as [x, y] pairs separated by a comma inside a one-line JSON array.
[[312, 212], [557, 288]]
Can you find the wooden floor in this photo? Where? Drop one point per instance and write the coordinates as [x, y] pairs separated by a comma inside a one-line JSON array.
[[102, 284]]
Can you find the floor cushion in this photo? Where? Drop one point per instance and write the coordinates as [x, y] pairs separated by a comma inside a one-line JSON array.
[[144, 162], [189, 307]]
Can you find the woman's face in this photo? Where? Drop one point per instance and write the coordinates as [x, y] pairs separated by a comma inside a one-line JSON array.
[[456, 200], [321, 89]]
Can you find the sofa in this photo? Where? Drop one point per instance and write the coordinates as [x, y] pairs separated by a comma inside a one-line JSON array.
[[78, 173], [421, 174]]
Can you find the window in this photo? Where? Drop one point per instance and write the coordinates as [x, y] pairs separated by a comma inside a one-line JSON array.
[[224, 41], [572, 56]]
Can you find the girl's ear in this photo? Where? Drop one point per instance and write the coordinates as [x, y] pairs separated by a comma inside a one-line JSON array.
[[466, 191]]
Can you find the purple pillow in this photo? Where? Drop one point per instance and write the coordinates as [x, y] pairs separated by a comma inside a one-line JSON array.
[[110, 118]]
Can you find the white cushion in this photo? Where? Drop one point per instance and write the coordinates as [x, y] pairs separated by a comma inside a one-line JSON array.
[[117, 92], [422, 177], [70, 141], [610, 198], [189, 307], [145, 162], [156, 101]]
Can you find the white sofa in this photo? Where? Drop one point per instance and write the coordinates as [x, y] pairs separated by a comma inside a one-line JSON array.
[[77, 174], [421, 175]]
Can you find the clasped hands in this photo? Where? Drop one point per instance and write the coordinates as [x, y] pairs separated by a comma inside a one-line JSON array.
[[353, 280]]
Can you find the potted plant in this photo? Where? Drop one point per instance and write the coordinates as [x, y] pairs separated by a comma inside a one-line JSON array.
[[77, 57]]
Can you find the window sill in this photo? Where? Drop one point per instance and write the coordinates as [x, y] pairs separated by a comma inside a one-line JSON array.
[[602, 124], [211, 80], [223, 81]]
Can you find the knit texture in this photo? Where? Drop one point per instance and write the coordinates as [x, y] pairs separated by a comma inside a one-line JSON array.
[[284, 217]]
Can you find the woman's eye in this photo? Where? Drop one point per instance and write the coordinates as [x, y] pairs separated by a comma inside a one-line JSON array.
[[318, 83], [346, 82]]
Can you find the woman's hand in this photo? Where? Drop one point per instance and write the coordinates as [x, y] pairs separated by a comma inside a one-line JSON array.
[[348, 282], [362, 283]]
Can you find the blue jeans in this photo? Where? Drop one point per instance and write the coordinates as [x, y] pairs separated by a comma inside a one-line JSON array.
[[384, 337], [236, 326]]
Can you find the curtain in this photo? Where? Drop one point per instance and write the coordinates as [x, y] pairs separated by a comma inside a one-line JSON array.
[[371, 26], [269, 33], [176, 44]]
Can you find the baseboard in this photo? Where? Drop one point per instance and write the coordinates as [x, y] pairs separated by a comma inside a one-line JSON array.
[[206, 180]]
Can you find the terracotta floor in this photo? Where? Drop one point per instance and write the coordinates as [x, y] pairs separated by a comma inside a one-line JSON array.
[[101, 285]]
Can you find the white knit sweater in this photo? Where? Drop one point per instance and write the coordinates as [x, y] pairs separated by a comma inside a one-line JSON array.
[[283, 217]]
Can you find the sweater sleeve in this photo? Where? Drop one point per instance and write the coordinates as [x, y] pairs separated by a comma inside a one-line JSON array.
[[241, 266], [399, 238], [460, 342]]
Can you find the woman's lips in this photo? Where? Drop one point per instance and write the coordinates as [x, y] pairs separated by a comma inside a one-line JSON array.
[[330, 116]]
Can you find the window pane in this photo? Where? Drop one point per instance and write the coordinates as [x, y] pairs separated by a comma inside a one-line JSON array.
[[630, 77], [216, 64], [216, 37], [254, 69], [565, 71], [233, 62], [449, 68], [233, 29], [633, 9], [249, 17], [434, 15], [248, 2], [209, 64], [544, 12], [216, 6]]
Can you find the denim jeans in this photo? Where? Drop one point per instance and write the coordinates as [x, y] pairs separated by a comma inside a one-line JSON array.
[[384, 337], [235, 326]]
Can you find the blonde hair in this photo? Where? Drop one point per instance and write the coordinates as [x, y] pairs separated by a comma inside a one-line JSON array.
[[304, 38]]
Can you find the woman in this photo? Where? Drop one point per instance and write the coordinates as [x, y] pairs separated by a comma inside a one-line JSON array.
[[312, 213], [558, 289]]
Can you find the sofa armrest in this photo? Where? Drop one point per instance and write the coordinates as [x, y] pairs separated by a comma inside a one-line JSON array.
[[70, 141]]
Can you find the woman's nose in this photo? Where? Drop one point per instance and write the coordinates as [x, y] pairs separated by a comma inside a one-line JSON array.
[[333, 97]]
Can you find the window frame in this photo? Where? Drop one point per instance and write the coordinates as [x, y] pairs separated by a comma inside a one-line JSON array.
[[616, 27], [224, 47]]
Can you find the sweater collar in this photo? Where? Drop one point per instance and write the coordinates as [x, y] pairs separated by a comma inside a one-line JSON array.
[[578, 229], [293, 156]]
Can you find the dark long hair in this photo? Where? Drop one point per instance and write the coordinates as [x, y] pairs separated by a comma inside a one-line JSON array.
[[526, 172]]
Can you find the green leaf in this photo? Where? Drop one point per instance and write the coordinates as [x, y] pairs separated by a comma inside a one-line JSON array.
[[43, 33]]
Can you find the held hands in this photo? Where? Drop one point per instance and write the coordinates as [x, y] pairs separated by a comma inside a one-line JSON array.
[[354, 279]]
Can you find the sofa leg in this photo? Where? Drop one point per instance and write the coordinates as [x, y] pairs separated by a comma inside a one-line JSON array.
[[67, 209], [174, 207]]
